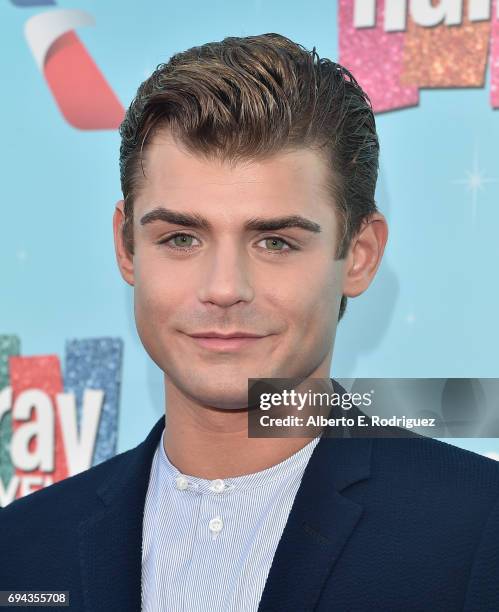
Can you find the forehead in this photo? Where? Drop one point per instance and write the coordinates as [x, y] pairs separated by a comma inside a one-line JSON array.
[[172, 171]]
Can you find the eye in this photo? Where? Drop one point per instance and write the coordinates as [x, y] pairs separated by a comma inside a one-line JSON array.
[[275, 241], [184, 242]]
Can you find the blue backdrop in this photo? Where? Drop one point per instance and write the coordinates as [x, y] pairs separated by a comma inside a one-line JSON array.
[[430, 312]]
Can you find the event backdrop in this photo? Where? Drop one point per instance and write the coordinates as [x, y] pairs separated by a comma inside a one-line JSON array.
[[76, 386]]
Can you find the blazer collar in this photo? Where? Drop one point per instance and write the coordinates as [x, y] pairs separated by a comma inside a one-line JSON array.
[[111, 539], [320, 522]]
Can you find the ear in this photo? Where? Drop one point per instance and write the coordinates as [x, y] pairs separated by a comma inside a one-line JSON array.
[[123, 256], [364, 255]]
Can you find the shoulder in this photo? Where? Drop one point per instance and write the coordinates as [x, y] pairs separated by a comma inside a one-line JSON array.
[[69, 498], [438, 474], [39, 533], [483, 586], [449, 500], [418, 453]]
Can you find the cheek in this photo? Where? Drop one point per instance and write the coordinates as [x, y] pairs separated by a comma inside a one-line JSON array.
[[154, 305], [313, 306], [154, 298]]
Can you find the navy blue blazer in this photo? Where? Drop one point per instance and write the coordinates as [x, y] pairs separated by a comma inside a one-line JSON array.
[[378, 524]]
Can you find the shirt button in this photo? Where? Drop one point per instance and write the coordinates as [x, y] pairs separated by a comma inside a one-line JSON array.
[[216, 525], [217, 485], [181, 482]]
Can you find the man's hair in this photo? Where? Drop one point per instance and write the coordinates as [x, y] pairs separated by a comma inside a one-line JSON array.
[[245, 98]]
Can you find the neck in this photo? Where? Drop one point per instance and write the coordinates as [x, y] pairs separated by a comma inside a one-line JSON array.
[[212, 443]]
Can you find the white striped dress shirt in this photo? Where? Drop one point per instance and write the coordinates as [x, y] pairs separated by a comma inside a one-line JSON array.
[[208, 545]]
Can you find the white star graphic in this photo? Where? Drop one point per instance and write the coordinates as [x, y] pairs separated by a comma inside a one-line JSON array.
[[474, 182], [21, 255]]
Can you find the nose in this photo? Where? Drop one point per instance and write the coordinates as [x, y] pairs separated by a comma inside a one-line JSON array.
[[225, 278]]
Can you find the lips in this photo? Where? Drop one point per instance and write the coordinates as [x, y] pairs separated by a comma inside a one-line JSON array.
[[214, 343], [228, 336]]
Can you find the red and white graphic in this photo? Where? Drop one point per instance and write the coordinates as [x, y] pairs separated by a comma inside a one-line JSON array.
[[81, 92]]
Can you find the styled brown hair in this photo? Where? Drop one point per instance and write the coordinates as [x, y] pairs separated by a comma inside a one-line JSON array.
[[245, 98]]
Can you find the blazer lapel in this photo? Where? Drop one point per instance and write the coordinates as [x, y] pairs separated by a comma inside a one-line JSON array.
[[319, 525], [111, 539]]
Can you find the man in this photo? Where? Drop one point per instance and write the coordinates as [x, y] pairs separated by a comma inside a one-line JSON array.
[[248, 173]]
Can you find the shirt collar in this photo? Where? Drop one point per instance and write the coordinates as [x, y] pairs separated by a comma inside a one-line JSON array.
[[273, 474]]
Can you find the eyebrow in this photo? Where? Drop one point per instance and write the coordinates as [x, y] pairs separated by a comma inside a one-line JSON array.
[[197, 221]]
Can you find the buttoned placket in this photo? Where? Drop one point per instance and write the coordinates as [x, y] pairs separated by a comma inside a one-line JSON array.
[[216, 524]]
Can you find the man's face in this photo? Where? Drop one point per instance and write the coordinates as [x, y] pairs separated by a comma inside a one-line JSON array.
[[282, 284]]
